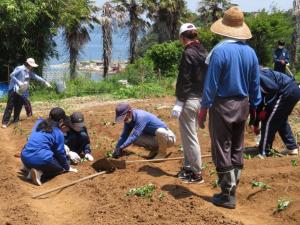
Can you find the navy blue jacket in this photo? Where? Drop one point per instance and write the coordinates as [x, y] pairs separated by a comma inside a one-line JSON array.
[[280, 54]]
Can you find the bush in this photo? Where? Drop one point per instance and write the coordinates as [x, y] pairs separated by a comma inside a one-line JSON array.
[[165, 57]]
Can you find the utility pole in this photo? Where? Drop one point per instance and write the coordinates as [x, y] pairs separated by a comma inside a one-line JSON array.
[[296, 33]]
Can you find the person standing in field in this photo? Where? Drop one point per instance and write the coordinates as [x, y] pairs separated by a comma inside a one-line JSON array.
[[232, 80], [280, 57], [19, 89], [189, 87]]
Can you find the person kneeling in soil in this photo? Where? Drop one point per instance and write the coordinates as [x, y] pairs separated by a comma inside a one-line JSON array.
[[143, 129], [280, 94], [77, 140], [44, 152]]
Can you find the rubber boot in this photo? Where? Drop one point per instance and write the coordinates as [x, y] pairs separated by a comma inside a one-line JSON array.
[[226, 198]]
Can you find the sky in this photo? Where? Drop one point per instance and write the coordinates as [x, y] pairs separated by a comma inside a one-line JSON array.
[[245, 5]]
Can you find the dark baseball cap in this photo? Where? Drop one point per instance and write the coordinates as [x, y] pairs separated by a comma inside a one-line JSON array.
[[57, 113], [77, 119], [121, 111]]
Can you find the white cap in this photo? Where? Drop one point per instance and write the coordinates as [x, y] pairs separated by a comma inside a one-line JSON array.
[[185, 27], [31, 62]]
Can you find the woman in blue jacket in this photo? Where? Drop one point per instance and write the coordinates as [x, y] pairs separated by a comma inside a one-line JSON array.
[[44, 152]]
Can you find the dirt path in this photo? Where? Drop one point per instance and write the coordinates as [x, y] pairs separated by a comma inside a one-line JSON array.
[[103, 200]]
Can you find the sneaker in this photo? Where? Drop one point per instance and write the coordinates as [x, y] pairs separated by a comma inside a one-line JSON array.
[[36, 176], [183, 173], [4, 126], [290, 152], [260, 156], [193, 178]]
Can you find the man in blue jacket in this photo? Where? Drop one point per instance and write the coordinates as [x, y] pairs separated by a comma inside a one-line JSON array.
[[280, 57], [232, 80], [143, 129], [280, 95]]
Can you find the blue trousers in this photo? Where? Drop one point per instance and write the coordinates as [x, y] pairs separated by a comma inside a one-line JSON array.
[[277, 120]]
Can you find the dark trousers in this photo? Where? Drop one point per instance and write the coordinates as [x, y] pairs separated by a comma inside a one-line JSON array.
[[78, 142], [227, 118], [14, 102], [27, 106], [277, 120]]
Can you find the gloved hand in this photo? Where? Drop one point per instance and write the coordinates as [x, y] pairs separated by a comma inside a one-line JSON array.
[[117, 153], [74, 157], [202, 117], [48, 84], [89, 157], [262, 115], [252, 113], [67, 149], [256, 130], [71, 169], [177, 109]]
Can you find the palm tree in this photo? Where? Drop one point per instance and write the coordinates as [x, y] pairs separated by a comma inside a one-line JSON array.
[[78, 18], [109, 19], [166, 15], [135, 23], [212, 10]]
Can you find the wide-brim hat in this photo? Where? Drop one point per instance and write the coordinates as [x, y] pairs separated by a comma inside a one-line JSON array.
[[232, 25]]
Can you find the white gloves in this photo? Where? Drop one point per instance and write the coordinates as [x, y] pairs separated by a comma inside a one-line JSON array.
[[177, 109], [89, 157], [22, 87], [48, 84], [74, 157], [67, 149], [71, 169]]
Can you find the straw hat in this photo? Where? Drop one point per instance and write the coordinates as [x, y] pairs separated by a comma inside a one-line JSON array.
[[232, 25], [31, 62]]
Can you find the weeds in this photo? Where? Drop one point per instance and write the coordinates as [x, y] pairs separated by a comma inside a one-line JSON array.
[[261, 185], [144, 191], [282, 204], [294, 162]]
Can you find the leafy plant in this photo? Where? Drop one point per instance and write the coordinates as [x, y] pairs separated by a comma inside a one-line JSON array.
[[215, 183], [144, 191], [261, 185], [109, 154], [283, 204], [247, 156], [294, 162], [161, 196]]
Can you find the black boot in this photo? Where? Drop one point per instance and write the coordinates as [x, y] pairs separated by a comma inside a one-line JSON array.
[[226, 198]]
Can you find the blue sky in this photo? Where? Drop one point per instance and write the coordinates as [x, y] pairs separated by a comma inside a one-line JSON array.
[[245, 5]]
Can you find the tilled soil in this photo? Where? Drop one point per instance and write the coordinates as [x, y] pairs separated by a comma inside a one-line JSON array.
[[103, 200]]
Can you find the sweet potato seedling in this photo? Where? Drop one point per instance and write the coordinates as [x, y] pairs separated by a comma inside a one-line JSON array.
[[261, 185], [282, 204], [294, 162], [109, 154], [144, 191]]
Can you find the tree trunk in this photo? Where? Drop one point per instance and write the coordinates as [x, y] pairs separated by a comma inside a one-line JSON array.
[[296, 33], [133, 32], [107, 47], [73, 61]]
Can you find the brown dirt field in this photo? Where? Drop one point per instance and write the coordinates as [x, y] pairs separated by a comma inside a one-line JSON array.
[[103, 199]]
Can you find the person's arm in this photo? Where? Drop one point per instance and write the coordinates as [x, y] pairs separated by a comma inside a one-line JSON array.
[[125, 133], [59, 149], [137, 131], [86, 142], [39, 79], [14, 78], [211, 81], [254, 87]]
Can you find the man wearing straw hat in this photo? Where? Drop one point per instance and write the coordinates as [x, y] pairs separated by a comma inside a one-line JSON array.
[[232, 80]]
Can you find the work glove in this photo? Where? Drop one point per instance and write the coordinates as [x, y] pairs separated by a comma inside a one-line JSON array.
[[71, 169], [74, 157], [48, 84], [89, 157], [176, 111], [202, 117], [252, 113], [67, 149], [117, 153]]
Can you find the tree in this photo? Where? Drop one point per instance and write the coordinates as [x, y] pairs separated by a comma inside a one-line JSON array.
[[135, 23], [212, 10], [166, 15], [77, 18], [296, 33], [109, 19]]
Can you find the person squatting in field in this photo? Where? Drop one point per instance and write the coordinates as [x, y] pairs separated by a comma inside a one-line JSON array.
[[191, 74], [77, 140], [18, 91], [232, 80], [143, 129], [44, 155], [280, 94]]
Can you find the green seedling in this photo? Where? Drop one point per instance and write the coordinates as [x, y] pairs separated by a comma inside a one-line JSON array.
[[282, 204], [180, 148], [261, 185], [247, 156], [204, 166], [144, 191], [109, 154], [215, 183], [294, 162], [212, 172], [273, 153], [161, 196]]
